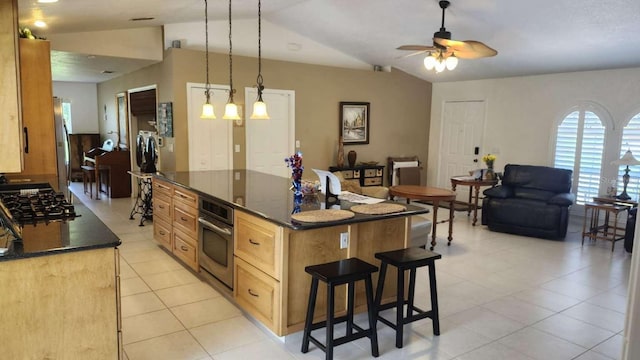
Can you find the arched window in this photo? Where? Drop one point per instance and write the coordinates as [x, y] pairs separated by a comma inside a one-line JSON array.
[[631, 141], [579, 147]]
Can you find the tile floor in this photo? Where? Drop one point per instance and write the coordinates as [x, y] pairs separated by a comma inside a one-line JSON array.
[[501, 297]]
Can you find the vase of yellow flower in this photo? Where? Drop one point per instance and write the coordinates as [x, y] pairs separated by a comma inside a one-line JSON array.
[[489, 160]]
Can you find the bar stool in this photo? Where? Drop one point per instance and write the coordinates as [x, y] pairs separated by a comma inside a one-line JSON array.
[[346, 271], [407, 259]]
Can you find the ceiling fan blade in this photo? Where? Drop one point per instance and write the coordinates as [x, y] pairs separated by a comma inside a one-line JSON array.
[[468, 49], [413, 54], [416, 47]]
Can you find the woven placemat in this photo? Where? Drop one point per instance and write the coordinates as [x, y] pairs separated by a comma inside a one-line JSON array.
[[378, 209], [315, 216]]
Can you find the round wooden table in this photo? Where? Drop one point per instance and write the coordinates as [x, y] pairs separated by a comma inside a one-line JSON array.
[[433, 194], [474, 191]]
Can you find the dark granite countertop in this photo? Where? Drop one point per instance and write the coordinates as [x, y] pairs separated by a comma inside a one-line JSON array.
[[264, 195], [82, 233]]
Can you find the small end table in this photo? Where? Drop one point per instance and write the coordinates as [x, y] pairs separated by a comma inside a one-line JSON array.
[[474, 192], [607, 230]]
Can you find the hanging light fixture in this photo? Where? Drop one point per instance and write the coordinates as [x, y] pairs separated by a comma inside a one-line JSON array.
[[207, 107], [230, 110], [440, 61], [259, 107]]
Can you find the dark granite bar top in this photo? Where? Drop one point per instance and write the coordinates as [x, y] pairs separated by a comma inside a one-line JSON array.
[[82, 233], [264, 195]]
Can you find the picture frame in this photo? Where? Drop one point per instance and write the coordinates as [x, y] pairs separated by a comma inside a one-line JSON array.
[[165, 119], [354, 122], [122, 112]]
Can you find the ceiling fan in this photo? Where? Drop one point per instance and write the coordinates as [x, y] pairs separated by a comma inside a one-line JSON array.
[[444, 52]]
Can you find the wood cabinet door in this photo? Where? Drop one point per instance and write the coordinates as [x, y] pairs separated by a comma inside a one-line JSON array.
[[39, 135], [10, 129]]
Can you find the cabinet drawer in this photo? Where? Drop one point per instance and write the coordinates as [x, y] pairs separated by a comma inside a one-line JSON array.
[[161, 208], [186, 219], [257, 294], [370, 173], [162, 232], [347, 174], [162, 188], [258, 242], [185, 197], [372, 181], [185, 249]]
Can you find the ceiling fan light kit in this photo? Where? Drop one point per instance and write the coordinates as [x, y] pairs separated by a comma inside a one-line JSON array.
[[444, 53]]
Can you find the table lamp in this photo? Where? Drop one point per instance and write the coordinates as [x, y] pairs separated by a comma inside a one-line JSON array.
[[627, 159]]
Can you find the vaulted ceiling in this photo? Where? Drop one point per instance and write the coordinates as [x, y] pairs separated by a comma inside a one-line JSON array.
[[532, 37]]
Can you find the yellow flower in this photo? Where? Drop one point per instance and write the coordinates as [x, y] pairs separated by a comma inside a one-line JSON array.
[[489, 158]]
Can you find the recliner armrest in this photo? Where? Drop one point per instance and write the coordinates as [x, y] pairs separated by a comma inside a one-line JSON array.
[[564, 199], [500, 191]]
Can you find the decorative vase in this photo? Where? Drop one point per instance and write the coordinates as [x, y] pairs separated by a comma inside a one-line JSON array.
[[340, 161], [490, 174], [351, 157]]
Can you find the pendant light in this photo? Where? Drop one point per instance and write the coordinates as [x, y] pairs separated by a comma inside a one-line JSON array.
[[259, 107], [207, 107], [230, 110]]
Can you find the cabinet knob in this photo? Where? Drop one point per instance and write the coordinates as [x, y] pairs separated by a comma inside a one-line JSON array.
[[184, 248]]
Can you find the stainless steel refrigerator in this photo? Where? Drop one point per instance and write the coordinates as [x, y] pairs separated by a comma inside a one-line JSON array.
[[62, 142]]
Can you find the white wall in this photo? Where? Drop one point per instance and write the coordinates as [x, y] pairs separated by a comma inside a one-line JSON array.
[[84, 105], [522, 113]]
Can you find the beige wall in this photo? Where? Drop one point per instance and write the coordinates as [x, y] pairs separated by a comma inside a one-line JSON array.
[[400, 104]]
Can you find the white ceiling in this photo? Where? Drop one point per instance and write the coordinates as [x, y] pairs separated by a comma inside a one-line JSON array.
[[532, 37]]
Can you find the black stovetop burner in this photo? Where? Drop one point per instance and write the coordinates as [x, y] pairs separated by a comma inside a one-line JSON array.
[[38, 205]]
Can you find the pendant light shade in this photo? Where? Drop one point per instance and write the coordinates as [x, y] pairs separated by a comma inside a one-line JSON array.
[[231, 109], [259, 107], [207, 107]]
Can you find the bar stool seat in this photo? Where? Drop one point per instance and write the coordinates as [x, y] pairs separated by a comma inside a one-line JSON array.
[[346, 271], [407, 259]]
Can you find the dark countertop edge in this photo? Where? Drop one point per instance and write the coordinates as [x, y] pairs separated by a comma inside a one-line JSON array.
[[62, 250], [358, 218]]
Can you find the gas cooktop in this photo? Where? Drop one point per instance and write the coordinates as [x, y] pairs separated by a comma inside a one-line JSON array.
[[32, 206]]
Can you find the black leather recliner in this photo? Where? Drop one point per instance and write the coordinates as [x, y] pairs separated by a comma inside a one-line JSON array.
[[532, 201]]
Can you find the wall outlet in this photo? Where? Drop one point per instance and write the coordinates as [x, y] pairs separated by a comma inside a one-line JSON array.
[[344, 240]]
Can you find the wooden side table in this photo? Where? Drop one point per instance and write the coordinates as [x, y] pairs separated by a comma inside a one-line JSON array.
[[474, 192], [606, 230]]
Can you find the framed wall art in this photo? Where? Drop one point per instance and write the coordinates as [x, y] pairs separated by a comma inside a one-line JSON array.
[[354, 122]]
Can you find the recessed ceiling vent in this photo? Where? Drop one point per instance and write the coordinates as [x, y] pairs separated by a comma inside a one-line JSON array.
[[107, 72], [142, 19]]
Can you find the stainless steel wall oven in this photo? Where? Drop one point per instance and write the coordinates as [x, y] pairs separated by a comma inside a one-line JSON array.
[[216, 240]]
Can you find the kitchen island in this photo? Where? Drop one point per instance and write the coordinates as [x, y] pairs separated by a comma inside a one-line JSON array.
[[271, 249], [60, 285]]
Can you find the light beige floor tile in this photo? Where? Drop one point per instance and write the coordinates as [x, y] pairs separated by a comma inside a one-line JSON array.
[[547, 299], [149, 325], [179, 345], [485, 322], [144, 255], [612, 347], [455, 341], [134, 246], [185, 294], [598, 316], [494, 351], [518, 310], [227, 334], [156, 266], [592, 355], [126, 271], [264, 350], [131, 286], [140, 303], [204, 312], [610, 300], [571, 289], [540, 345], [170, 279], [576, 331]]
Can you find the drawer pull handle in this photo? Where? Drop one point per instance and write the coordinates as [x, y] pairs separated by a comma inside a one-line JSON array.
[[253, 242], [161, 206], [183, 248], [183, 218], [162, 232], [252, 293]]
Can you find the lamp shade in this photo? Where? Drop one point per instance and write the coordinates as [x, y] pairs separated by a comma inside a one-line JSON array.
[[207, 111], [259, 111], [231, 112], [626, 159]]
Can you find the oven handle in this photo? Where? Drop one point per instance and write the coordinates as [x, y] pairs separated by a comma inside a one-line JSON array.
[[214, 227]]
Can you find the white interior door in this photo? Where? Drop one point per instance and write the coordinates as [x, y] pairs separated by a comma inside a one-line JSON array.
[[269, 142], [461, 136], [210, 140]]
